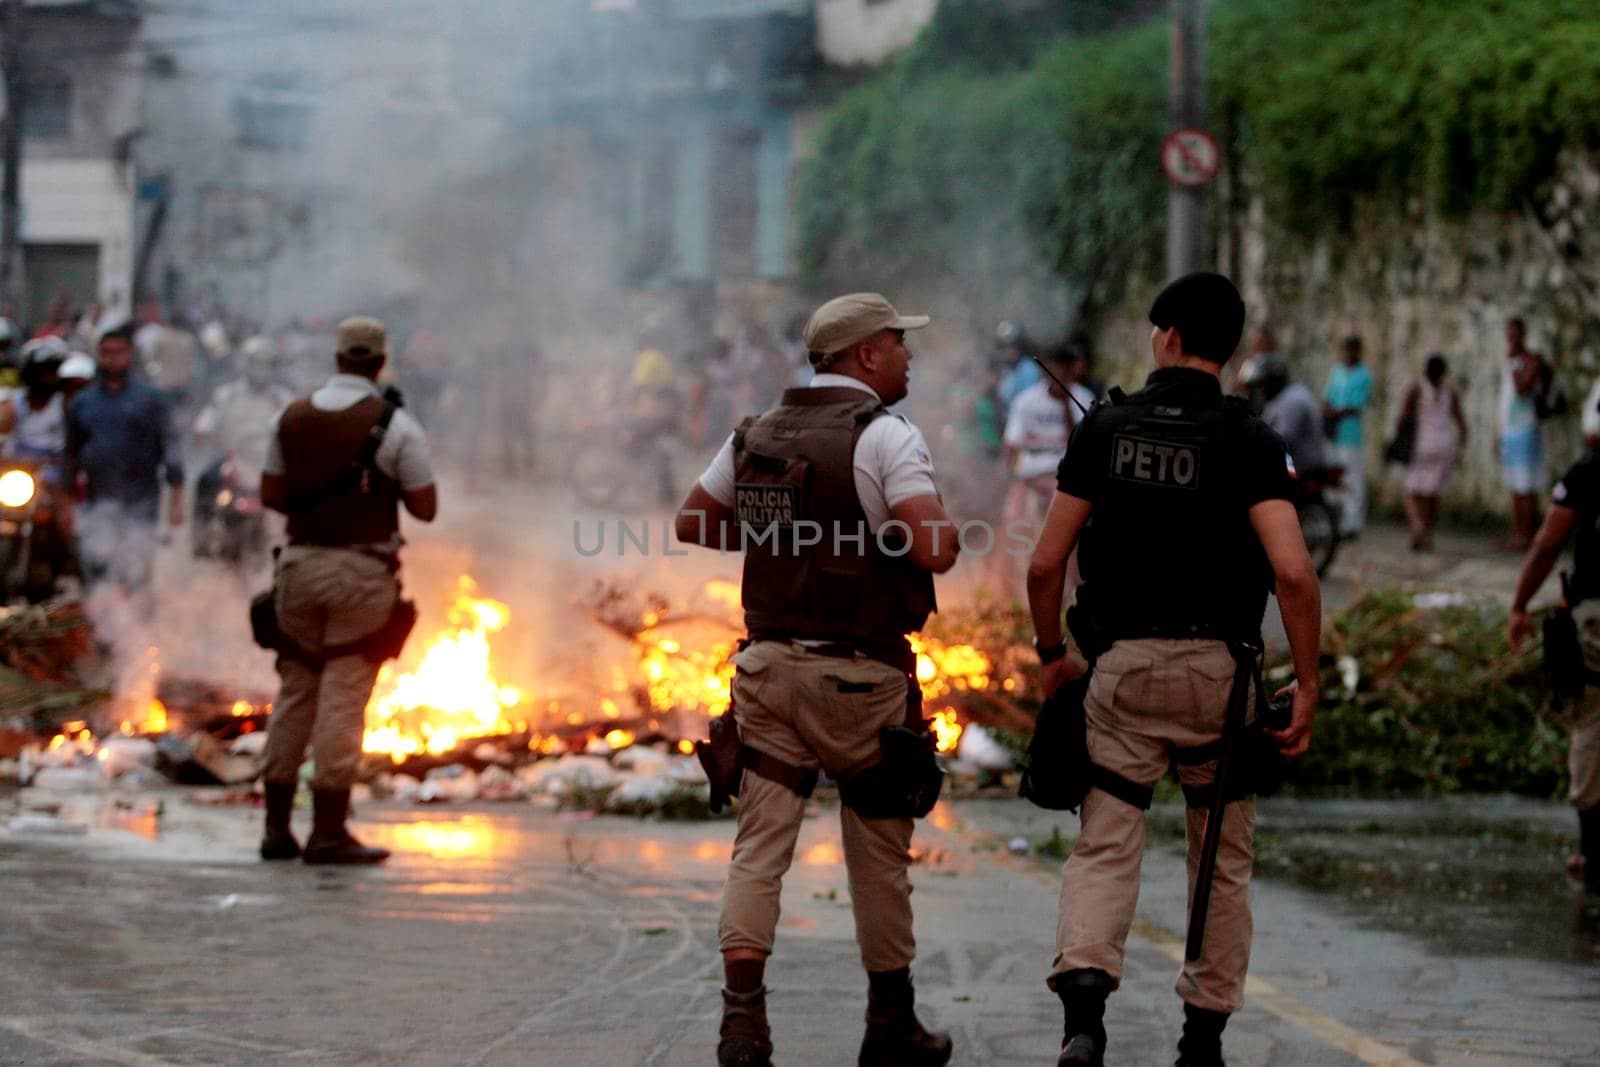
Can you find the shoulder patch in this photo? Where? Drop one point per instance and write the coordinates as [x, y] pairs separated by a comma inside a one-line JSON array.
[[1158, 463]]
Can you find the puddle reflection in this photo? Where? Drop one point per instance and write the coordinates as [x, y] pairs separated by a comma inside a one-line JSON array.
[[822, 854], [470, 837]]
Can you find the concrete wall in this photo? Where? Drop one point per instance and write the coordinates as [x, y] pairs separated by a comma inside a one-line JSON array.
[[1410, 283]]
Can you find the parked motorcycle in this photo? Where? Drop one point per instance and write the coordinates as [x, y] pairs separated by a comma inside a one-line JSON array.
[[229, 522], [1319, 519], [35, 536]]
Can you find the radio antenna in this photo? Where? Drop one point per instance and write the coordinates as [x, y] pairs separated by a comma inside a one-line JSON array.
[[1065, 388]]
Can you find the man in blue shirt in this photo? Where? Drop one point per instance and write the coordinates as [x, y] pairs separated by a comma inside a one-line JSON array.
[[1348, 393], [121, 445]]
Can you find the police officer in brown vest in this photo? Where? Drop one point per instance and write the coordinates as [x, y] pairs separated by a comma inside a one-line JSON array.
[[336, 582], [832, 500]]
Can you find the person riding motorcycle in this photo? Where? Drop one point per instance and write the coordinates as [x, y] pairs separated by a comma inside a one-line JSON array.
[[35, 415], [237, 422], [39, 550], [1294, 411]]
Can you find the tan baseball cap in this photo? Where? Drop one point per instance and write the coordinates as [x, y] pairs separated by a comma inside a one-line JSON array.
[[847, 320], [362, 339]]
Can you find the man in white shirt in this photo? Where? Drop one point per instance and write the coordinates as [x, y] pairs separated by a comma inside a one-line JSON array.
[[335, 586], [827, 673], [1038, 427]]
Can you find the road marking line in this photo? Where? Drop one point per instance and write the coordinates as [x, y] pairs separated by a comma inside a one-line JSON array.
[[1285, 1006], [47, 1032], [1320, 1025]]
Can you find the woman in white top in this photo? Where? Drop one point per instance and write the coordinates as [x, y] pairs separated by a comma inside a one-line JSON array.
[[1441, 432]]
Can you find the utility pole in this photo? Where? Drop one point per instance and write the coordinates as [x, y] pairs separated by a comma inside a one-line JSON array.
[[1188, 237], [11, 158]]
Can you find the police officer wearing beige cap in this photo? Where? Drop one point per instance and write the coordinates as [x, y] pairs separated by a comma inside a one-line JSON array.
[[335, 585], [832, 499]]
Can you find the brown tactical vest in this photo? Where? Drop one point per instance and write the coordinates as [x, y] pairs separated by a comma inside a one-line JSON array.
[[319, 447], [796, 463]]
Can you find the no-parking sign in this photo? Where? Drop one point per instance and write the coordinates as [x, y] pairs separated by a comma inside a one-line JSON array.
[[1190, 157]]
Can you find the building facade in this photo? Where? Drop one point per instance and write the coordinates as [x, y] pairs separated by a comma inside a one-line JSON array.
[[81, 73]]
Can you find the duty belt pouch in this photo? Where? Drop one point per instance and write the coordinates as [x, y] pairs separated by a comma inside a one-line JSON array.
[[390, 639], [906, 779], [1564, 668], [720, 758], [1057, 775], [264, 621]]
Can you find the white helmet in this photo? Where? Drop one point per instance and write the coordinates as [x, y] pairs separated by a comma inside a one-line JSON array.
[[78, 366], [8, 332], [258, 349], [44, 349]]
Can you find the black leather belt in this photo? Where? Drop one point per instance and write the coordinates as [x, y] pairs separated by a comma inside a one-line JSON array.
[[900, 658]]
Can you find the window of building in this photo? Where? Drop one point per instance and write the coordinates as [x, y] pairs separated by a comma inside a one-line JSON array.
[[47, 107], [734, 202], [272, 118]]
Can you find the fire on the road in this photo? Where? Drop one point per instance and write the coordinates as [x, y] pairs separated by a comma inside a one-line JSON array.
[[452, 695]]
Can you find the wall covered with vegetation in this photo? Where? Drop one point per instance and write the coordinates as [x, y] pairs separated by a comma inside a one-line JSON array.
[[1415, 171]]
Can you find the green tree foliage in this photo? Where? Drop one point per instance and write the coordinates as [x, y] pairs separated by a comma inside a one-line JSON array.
[[1439, 705], [1466, 101], [990, 131], [981, 148]]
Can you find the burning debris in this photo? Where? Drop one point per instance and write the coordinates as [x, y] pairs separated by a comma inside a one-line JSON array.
[[449, 727]]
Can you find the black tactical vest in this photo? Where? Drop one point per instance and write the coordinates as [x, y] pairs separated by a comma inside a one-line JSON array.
[[1169, 551], [794, 478]]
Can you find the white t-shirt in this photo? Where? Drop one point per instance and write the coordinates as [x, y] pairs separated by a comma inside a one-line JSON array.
[[891, 461], [403, 455], [1038, 427], [44, 430], [243, 418], [1517, 412]]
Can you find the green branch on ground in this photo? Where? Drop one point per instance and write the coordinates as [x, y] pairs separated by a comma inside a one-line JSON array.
[[1430, 699]]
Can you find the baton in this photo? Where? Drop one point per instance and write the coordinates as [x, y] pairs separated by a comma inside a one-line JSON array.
[[1065, 388], [1206, 872]]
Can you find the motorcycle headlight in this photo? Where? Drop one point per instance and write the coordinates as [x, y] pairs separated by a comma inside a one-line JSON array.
[[16, 488]]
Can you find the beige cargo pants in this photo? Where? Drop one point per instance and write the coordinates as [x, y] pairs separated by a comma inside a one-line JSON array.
[[1147, 698], [814, 711], [325, 596], [1583, 754]]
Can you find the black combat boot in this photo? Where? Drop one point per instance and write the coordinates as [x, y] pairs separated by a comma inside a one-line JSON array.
[[746, 1040], [1083, 996], [330, 842], [277, 841], [1201, 1043], [895, 1036], [1589, 845]]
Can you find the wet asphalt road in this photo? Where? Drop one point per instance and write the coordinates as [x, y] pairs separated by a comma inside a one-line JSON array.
[[509, 935]]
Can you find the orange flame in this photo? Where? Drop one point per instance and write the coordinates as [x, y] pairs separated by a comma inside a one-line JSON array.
[[678, 678], [946, 730], [942, 669], [452, 695]]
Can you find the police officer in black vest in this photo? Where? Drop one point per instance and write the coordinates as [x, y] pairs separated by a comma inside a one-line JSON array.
[[1574, 515], [1183, 504]]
